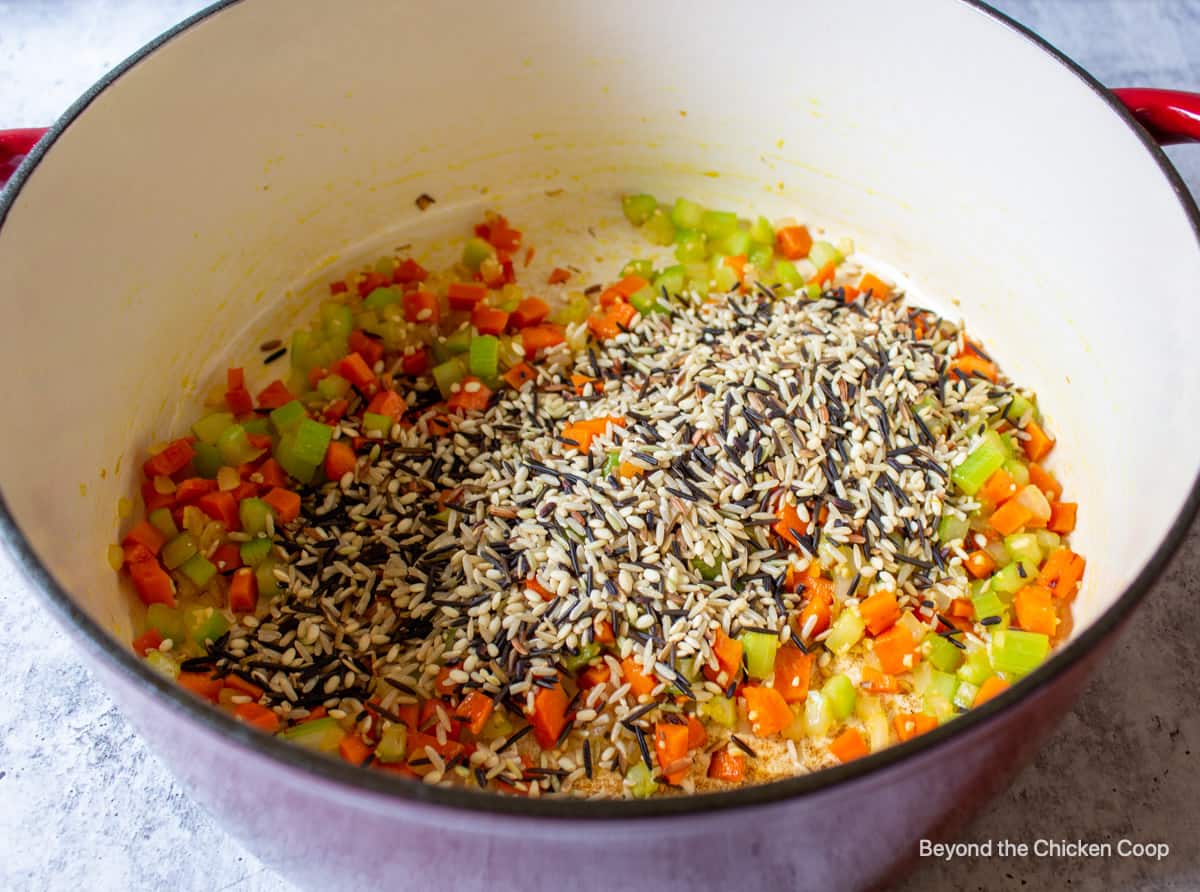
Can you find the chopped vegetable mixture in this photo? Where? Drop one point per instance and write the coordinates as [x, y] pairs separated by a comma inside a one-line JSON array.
[[738, 513]]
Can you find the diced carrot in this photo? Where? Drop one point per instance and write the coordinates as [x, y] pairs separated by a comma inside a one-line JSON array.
[[274, 395], [980, 564], [580, 383], [201, 684], [1035, 609], [355, 370], [259, 441], [489, 320], [999, 487], [697, 734], [369, 348], [235, 378], [474, 711], [558, 275], [816, 614], [190, 490], [879, 289], [726, 765], [537, 338], [147, 641], [464, 295], [737, 263], [423, 308], [1045, 481], [878, 682], [338, 287], [369, 282], [909, 725], [1039, 444], [1010, 517], [258, 716], [443, 684], [534, 586], [136, 553], [671, 749], [415, 363], [154, 499], [418, 741], [1062, 572], [472, 396], [961, 607], [603, 632], [227, 557], [339, 460], [153, 584], [766, 710], [530, 311], [146, 534], [409, 271], [239, 684], [583, 432], [354, 749], [728, 652], [501, 235], [1062, 517], [389, 403], [593, 674], [221, 506], [239, 401], [849, 293], [971, 363], [849, 745], [549, 716], [880, 611], [174, 457], [243, 591], [285, 502], [519, 374], [896, 650], [794, 242], [991, 687], [793, 672], [640, 684], [626, 288], [825, 274], [789, 527]]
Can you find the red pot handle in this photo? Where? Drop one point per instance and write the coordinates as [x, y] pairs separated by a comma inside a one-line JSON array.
[[1170, 116], [15, 145]]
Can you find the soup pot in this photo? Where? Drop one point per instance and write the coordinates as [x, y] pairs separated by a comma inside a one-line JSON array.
[[191, 199]]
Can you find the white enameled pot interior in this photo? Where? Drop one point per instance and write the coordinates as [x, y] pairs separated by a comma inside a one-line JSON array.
[[199, 202]]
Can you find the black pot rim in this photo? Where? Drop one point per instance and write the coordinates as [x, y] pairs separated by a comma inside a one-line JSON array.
[[369, 783]]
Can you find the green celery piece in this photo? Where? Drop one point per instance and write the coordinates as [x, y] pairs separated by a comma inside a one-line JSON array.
[[264, 575], [289, 459], [164, 664], [724, 278], [483, 357], [312, 441], [577, 309], [942, 654], [321, 735], [167, 621], [1016, 652], [762, 232], [672, 280], [818, 714], [475, 251], [234, 446], [761, 257], [939, 694], [337, 320], [383, 296], [976, 667], [642, 784], [393, 744], [451, 345], [1048, 541], [690, 246], [586, 654], [952, 527], [1024, 547], [645, 301], [257, 425], [813, 291], [611, 463], [1018, 407], [207, 460], [211, 426], [719, 709], [638, 208], [735, 243], [787, 275], [198, 569], [204, 624], [718, 224], [1018, 471], [845, 632], [374, 423], [332, 387], [686, 214], [983, 461], [759, 650], [253, 514], [301, 352], [288, 416], [659, 230], [255, 551], [698, 275], [449, 373], [839, 693], [641, 267], [987, 603], [161, 520], [498, 726], [964, 695], [708, 571], [385, 266], [1008, 579], [178, 550], [822, 253]]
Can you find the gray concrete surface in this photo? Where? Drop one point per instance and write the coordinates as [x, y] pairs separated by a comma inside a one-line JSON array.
[[83, 805]]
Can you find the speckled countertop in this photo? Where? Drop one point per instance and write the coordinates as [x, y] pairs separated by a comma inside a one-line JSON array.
[[83, 805]]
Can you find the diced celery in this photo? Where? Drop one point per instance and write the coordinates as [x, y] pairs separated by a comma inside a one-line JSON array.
[[646, 301], [207, 460], [301, 351], [672, 280], [253, 514], [611, 463], [475, 251], [255, 551], [198, 569], [718, 224], [796, 729], [641, 267], [374, 423], [839, 693], [257, 425], [393, 744], [1024, 547], [288, 416], [498, 726], [638, 208], [951, 528], [1009, 580], [659, 230], [337, 320], [289, 459], [449, 373], [161, 520], [687, 214], [312, 441], [706, 570], [164, 664], [761, 257], [455, 343], [1016, 652], [845, 632], [484, 356], [332, 387], [812, 291], [875, 720], [264, 575], [939, 694], [234, 446], [822, 253], [818, 715], [942, 654], [976, 667], [204, 624], [690, 246], [167, 621], [577, 309], [587, 653], [720, 709], [735, 243], [723, 277], [383, 297], [787, 275], [1018, 471], [763, 232], [178, 550], [1018, 407], [322, 735], [640, 779], [964, 695], [980, 464], [211, 426], [987, 603], [759, 649], [698, 275], [1048, 541]]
